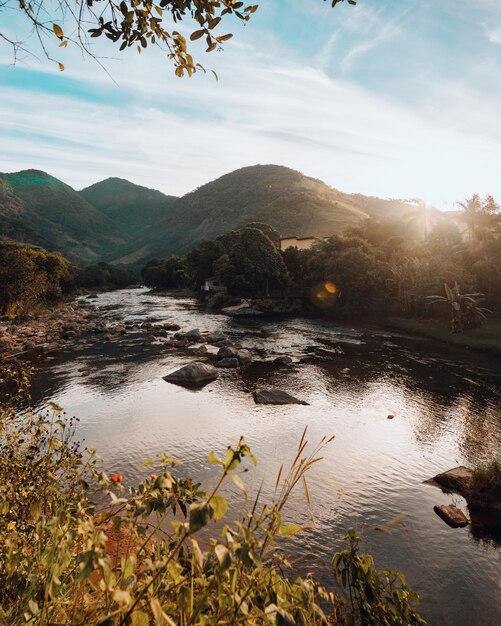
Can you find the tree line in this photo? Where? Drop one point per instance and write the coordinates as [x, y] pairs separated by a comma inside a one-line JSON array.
[[426, 263], [32, 277]]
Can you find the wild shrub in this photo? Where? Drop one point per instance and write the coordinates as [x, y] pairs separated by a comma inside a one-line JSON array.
[[78, 548]]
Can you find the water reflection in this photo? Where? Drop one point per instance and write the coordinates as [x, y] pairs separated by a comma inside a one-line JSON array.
[[446, 409]]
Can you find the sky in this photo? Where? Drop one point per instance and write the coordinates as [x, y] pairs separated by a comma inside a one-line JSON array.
[[392, 98]]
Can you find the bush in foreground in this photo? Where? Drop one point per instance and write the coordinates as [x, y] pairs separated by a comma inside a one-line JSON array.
[[147, 554]]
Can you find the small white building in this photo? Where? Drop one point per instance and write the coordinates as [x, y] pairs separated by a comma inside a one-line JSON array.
[[213, 285]]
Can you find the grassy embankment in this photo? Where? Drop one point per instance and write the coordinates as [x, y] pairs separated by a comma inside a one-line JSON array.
[[487, 338]]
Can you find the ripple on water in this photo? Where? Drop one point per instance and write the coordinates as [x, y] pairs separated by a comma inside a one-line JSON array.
[[446, 408]]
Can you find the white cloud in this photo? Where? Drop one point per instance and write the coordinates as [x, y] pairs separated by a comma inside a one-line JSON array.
[[268, 107], [494, 35]]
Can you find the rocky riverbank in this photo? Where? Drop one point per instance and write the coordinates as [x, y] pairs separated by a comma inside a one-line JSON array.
[[49, 331]]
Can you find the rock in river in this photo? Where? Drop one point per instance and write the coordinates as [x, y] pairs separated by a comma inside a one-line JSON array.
[[227, 353], [227, 362], [195, 373], [282, 360], [275, 396], [451, 515]]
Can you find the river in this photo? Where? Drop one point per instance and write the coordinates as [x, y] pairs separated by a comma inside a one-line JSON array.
[[446, 405]]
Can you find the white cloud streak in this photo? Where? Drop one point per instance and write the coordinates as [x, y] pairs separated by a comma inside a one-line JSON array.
[[175, 135]]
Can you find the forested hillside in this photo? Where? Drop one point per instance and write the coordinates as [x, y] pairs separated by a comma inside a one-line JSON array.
[[42, 209], [292, 203], [127, 224], [132, 207]]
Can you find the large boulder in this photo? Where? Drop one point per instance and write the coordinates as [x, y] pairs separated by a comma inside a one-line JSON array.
[[477, 492], [457, 479], [193, 374], [451, 515], [275, 396]]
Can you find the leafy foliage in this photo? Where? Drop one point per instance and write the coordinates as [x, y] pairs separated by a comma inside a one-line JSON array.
[[31, 276], [138, 23], [288, 201], [150, 555], [252, 266], [131, 207], [169, 273], [465, 309], [376, 598], [103, 276], [35, 203]]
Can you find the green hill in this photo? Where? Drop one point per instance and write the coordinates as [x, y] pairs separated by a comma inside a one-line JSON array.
[[291, 202], [133, 208], [48, 211], [117, 221]]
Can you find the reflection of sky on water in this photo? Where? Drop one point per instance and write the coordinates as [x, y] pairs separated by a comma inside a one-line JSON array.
[[447, 412]]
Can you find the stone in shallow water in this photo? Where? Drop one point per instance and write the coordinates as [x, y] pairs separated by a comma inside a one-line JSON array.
[[275, 396], [282, 360], [227, 362], [451, 515], [195, 373], [227, 353]]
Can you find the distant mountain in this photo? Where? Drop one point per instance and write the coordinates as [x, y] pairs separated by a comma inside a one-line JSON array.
[[42, 209], [120, 222], [88, 226], [133, 208], [288, 200]]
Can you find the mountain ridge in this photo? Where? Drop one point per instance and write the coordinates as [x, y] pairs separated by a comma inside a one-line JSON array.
[[124, 223]]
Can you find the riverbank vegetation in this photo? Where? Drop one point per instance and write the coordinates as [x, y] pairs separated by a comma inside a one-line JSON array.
[[152, 553], [426, 265], [486, 338], [33, 279], [487, 477]]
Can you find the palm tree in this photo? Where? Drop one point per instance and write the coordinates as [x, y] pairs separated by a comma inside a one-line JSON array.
[[480, 216], [471, 213], [422, 217], [465, 309]]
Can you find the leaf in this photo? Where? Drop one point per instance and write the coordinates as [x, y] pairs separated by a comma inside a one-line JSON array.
[[197, 553], [200, 514], [197, 35], [61, 67], [140, 618], [219, 506], [231, 459], [223, 555], [224, 38], [238, 482], [58, 31], [35, 510], [158, 614], [213, 458], [122, 598], [289, 529]]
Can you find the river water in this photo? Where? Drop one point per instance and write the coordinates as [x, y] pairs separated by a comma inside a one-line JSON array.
[[446, 405]]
